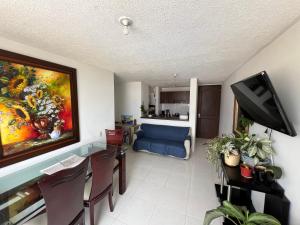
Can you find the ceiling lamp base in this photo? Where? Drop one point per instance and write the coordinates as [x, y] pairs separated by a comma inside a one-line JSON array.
[[125, 22]]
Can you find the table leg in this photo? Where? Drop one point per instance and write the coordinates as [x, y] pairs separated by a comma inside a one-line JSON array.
[[122, 173], [229, 193]]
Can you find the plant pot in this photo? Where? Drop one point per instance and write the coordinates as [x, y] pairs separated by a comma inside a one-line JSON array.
[[232, 160], [263, 175], [246, 171], [248, 160]]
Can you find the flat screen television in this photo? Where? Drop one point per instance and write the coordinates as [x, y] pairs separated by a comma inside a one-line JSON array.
[[259, 102]]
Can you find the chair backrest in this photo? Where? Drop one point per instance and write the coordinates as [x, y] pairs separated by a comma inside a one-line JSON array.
[[102, 166], [114, 137], [63, 194]]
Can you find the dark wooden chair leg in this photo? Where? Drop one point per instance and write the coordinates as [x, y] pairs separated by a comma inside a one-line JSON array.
[[111, 204], [122, 173], [91, 208]]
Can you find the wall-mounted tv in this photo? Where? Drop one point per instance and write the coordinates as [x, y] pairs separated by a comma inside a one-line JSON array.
[[259, 102]]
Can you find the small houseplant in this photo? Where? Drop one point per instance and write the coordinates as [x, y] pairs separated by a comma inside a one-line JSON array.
[[143, 110], [239, 216], [225, 145], [245, 124], [256, 151]]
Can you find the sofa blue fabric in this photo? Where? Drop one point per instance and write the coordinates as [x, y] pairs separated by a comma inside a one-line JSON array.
[[161, 139]]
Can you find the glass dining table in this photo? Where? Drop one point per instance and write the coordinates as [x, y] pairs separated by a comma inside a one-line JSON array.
[[20, 197]]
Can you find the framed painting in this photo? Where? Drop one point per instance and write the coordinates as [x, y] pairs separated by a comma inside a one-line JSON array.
[[236, 117], [241, 124], [38, 107]]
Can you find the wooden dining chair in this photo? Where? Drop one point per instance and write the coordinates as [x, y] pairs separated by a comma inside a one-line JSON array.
[[114, 137], [100, 184], [63, 193]]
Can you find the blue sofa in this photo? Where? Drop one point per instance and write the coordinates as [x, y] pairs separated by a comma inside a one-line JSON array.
[[164, 140]]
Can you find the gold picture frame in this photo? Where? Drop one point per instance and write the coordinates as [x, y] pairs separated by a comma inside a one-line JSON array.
[[237, 114]]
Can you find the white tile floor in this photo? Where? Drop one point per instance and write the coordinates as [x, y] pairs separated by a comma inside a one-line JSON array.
[[162, 191]]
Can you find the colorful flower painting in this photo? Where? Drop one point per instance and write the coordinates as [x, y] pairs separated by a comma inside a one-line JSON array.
[[35, 107]]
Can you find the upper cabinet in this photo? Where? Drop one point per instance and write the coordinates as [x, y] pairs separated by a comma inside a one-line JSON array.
[[175, 97]]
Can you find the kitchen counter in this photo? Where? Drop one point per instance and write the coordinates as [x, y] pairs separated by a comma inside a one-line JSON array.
[[163, 118], [169, 121]]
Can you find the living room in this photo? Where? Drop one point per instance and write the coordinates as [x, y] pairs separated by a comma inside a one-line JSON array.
[[144, 66]]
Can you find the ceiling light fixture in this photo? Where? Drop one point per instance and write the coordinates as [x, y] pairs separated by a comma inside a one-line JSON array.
[[125, 22]]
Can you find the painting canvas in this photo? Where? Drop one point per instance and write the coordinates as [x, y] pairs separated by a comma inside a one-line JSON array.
[[38, 106]]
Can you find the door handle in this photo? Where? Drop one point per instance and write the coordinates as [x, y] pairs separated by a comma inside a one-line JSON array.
[[199, 115]]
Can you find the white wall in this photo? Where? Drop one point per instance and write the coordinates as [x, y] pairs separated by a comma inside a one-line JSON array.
[[157, 100], [193, 109], [281, 60], [145, 95], [129, 98], [95, 99]]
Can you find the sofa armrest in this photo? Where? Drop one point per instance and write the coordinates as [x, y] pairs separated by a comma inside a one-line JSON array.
[[187, 145], [189, 138], [139, 134]]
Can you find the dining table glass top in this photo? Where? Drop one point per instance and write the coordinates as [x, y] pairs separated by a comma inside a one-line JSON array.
[[19, 192], [11, 182]]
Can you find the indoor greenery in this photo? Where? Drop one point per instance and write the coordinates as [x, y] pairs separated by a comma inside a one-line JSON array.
[[143, 110], [259, 149], [221, 145], [245, 123], [275, 170], [239, 216]]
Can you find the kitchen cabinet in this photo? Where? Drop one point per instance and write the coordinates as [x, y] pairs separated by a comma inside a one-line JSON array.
[[163, 97], [175, 97]]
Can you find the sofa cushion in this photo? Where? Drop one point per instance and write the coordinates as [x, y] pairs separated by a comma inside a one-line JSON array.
[[160, 146], [165, 132], [176, 149]]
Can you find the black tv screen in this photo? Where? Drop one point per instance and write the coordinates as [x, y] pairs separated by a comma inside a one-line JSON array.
[[259, 102]]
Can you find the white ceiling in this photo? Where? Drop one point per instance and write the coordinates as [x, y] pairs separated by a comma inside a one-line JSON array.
[[193, 38]]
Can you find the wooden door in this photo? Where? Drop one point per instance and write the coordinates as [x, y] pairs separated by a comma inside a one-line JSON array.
[[208, 113]]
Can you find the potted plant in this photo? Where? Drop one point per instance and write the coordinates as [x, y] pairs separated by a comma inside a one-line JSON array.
[[246, 170], [256, 151], [143, 110], [231, 154], [268, 174], [245, 124], [239, 216], [224, 146]]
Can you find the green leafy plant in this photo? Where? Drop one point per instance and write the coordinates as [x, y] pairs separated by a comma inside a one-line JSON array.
[[259, 149], [143, 110], [245, 123], [239, 216], [250, 146], [221, 145], [277, 171]]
